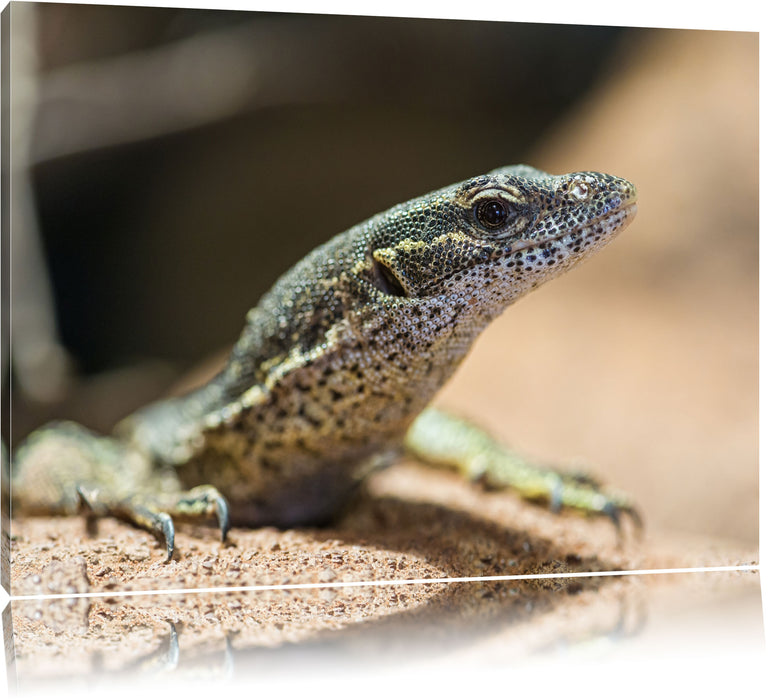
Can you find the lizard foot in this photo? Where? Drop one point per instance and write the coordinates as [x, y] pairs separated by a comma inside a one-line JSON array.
[[583, 493], [66, 469], [441, 439], [156, 514]]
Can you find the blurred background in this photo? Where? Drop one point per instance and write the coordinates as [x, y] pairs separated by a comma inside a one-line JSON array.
[[169, 164]]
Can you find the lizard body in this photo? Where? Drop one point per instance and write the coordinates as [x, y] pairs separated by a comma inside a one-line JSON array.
[[336, 362]]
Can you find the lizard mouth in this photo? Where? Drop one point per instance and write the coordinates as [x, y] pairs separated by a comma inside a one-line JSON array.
[[611, 223]]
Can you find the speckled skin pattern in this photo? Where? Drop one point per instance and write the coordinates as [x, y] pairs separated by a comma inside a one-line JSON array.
[[341, 356]]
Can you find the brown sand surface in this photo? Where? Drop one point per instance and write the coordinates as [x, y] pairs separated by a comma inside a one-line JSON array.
[[644, 362], [412, 525]]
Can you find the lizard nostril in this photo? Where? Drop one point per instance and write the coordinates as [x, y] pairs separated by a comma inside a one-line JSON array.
[[580, 191]]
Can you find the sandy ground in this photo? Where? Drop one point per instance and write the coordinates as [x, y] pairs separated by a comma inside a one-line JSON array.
[[412, 525], [644, 361]]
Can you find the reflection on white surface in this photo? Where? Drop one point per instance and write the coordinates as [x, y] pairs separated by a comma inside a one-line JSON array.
[[462, 633]]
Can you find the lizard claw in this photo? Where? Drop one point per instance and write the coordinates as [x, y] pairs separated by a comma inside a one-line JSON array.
[[202, 501], [556, 497], [84, 499], [222, 514], [635, 516], [614, 511], [167, 531]]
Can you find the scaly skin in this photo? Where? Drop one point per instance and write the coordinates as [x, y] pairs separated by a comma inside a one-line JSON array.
[[337, 361]]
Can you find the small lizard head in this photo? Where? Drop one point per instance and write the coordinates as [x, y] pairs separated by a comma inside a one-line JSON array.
[[507, 232]]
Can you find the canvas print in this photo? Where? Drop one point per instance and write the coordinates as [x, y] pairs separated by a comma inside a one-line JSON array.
[[373, 338]]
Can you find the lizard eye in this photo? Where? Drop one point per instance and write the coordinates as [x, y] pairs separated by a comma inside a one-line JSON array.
[[492, 213]]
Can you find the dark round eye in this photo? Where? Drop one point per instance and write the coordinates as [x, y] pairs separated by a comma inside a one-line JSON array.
[[492, 213]]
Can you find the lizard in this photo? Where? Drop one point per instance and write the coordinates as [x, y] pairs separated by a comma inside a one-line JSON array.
[[332, 376]]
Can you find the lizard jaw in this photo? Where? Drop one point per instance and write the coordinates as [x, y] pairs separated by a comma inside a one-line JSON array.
[[620, 217]]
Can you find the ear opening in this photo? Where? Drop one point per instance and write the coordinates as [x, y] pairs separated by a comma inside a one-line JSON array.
[[386, 281]]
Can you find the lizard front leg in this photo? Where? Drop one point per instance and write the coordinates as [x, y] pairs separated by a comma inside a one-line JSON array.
[[66, 469], [442, 439]]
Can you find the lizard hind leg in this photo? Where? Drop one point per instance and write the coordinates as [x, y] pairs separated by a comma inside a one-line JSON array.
[[439, 438], [66, 469]]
